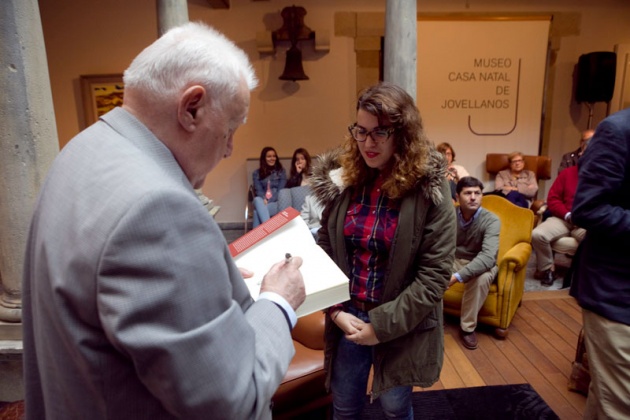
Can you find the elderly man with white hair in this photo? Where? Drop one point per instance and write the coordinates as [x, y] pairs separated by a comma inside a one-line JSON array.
[[133, 307]]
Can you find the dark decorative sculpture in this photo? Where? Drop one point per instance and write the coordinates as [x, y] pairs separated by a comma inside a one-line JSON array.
[[293, 30]]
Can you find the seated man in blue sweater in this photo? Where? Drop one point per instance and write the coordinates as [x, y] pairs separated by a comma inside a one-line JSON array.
[[475, 262]]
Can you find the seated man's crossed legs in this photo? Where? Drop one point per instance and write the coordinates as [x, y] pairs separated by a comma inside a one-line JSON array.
[[475, 294], [543, 236]]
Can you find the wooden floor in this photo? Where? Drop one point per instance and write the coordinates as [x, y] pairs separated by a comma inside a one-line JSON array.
[[539, 350]]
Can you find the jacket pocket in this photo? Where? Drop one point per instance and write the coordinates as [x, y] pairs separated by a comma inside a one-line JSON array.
[[429, 322]]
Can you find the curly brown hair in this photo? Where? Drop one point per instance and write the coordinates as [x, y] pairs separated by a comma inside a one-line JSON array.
[[392, 106]]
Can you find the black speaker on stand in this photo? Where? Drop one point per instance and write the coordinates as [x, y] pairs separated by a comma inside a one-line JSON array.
[[595, 79]]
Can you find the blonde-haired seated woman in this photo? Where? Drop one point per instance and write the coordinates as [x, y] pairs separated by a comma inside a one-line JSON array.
[[453, 172], [517, 184]]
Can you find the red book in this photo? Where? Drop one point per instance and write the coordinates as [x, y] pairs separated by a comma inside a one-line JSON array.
[[262, 231]]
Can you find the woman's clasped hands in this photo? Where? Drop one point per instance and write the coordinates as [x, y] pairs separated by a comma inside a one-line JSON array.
[[356, 330]]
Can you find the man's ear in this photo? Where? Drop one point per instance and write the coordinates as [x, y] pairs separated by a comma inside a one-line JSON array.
[[190, 102]]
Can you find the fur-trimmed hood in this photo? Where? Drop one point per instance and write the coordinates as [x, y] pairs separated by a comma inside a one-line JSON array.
[[327, 183], [325, 179]]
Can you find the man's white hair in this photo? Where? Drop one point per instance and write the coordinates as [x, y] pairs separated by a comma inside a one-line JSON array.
[[192, 53]]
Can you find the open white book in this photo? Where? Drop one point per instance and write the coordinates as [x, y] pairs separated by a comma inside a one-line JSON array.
[[287, 232]]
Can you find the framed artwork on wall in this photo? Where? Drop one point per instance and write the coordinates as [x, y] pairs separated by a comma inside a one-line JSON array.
[[101, 93]]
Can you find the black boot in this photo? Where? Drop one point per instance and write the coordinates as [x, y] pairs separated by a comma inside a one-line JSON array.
[[548, 277]]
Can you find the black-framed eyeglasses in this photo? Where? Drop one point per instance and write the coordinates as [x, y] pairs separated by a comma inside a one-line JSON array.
[[378, 134]]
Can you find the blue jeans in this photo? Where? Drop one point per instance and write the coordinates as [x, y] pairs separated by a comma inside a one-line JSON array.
[[350, 371], [262, 211]]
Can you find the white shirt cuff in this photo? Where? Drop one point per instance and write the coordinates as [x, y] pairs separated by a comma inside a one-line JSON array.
[[276, 298]]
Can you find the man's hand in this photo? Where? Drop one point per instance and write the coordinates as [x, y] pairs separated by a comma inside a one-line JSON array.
[[285, 279], [567, 218], [453, 280]]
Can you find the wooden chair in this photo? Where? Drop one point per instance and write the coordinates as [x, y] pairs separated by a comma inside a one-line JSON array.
[[515, 248]]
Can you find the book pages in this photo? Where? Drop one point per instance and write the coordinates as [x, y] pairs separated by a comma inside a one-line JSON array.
[[285, 233]]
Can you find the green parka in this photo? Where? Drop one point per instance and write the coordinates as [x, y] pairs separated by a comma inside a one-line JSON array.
[[409, 321]]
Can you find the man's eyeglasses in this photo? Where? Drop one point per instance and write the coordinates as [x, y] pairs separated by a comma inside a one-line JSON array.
[[378, 134], [517, 161]]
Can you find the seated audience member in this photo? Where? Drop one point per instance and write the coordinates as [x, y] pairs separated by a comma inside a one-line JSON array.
[[475, 262], [571, 158], [517, 184], [300, 168], [453, 172], [559, 224], [268, 179], [311, 212]]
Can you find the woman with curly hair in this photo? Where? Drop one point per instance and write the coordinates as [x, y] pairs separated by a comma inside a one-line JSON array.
[[389, 224]]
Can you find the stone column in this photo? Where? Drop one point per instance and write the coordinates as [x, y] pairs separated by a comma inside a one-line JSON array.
[[401, 44], [28, 142], [171, 13]]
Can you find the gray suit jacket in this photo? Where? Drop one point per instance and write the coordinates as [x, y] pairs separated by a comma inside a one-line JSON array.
[[133, 307]]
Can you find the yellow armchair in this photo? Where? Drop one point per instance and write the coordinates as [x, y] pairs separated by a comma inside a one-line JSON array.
[[515, 249]]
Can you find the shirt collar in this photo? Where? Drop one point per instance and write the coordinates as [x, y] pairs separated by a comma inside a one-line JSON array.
[[464, 223]]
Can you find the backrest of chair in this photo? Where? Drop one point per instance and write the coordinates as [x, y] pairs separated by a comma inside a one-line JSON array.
[[251, 193], [540, 165], [309, 330], [293, 197], [516, 222]]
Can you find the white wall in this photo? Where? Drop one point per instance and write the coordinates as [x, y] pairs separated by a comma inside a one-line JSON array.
[[102, 36]]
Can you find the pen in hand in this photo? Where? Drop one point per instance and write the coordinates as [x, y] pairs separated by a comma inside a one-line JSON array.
[[287, 258]]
